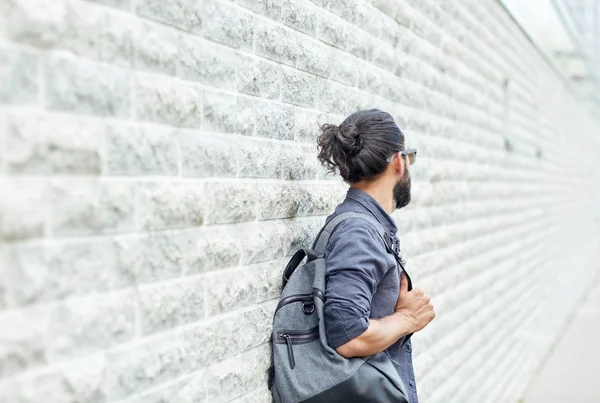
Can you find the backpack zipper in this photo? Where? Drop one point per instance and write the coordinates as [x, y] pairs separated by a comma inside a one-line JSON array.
[[298, 338]]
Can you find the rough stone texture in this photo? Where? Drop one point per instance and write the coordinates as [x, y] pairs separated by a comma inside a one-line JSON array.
[[18, 71], [158, 168], [85, 87], [184, 14], [170, 205], [44, 145]]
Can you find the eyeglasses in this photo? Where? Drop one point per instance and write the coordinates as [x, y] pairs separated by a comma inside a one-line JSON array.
[[411, 153]]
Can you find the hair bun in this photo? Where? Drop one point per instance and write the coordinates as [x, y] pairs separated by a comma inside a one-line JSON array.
[[350, 139]]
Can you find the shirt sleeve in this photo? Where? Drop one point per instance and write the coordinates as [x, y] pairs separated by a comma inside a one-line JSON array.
[[355, 264]]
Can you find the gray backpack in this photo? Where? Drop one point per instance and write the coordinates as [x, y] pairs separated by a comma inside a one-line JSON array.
[[304, 368]]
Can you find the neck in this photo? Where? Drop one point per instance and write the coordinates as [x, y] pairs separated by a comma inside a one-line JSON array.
[[378, 191]]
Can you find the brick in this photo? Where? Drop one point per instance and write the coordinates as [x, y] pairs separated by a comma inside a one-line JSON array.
[[23, 209], [343, 68], [335, 98], [208, 155], [228, 290], [259, 78], [274, 121], [192, 389], [306, 126], [157, 48], [91, 324], [371, 79], [334, 31], [208, 63], [84, 379], [139, 367], [167, 305], [90, 207], [169, 102], [23, 340], [268, 8], [170, 205], [227, 24], [230, 202], [141, 150], [234, 376], [124, 4], [259, 159], [261, 395], [228, 114], [41, 272], [353, 11], [299, 16], [314, 58], [262, 241], [32, 388], [280, 201], [79, 86], [215, 248], [118, 37], [47, 144], [297, 163], [275, 43], [18, 72], [40, 23], [184, 14], [298, 88]]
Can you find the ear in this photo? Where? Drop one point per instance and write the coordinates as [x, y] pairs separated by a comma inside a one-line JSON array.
[[399, 165]]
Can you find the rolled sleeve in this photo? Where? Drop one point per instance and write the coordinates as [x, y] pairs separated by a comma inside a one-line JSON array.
[[355, 264]]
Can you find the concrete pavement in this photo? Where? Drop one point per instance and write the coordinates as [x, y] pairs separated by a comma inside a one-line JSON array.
[[571, 374]]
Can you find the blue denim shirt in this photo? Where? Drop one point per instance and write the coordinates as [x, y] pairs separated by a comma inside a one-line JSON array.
[[363, 280]]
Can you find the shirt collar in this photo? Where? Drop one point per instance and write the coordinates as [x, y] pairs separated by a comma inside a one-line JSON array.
[[374, 208]]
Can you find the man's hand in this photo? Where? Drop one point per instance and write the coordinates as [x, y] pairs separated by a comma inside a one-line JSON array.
[[414, 306]]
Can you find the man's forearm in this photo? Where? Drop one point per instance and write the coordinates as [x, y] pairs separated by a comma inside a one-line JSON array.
[[381, 334]]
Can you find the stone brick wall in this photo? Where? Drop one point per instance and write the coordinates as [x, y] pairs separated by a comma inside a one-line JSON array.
[[158, 166]]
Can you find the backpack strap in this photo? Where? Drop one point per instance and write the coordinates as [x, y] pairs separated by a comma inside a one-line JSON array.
[[320, 244]]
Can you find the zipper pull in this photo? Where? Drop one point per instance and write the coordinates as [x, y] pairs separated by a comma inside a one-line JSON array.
[[290, 350]]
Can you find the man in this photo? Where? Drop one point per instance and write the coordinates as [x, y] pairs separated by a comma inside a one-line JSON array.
[[368, 307]]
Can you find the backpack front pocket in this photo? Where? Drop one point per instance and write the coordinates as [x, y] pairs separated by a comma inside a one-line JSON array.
[[295, 337]]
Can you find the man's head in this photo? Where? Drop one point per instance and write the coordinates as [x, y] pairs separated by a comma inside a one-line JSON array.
[[368, 149]]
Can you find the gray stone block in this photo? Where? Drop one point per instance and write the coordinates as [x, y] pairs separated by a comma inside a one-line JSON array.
[[274, 120], [299, 16], [208, 155], [334, 31], [275, 42], [344, 68], [45, 145], [145, 150], [170, 205], [228, 290], [184, 14], [192, 389], [124, 4], [18, 74], [157, 48], [167, 305], [298, 88], [262, 241], [259, 78], [228, 113], [268, 8], [79, 207], [40, 23], [227, 24], [230, 202], [23, 209], [314, 57], [259, 159], [24, 340], [169, 102], [208, 63], [88, 325], [44, 273], [83, 87]]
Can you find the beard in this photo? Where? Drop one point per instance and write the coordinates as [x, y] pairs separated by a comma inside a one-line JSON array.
[[402, 190]]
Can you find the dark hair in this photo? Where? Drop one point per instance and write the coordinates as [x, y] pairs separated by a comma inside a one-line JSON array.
[[359, 147]]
